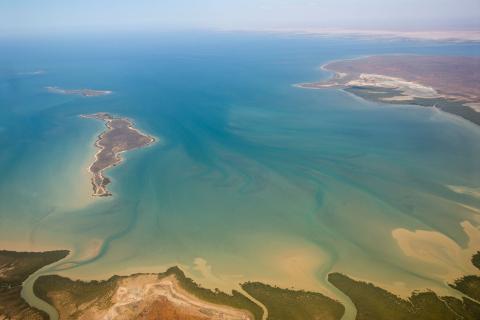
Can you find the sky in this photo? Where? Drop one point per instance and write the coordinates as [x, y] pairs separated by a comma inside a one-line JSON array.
[[31, 16]]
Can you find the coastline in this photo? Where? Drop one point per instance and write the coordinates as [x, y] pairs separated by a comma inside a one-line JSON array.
[[389, 87], [138, 293]]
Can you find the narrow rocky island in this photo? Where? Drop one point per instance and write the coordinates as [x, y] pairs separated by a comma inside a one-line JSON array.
[[119, 137], [449, 83], [79, 92]]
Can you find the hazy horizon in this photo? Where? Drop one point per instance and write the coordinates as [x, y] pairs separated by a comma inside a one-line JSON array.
[[30, 17]]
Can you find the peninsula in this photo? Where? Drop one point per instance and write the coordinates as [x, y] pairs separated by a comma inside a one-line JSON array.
[[168, 295], [449, 83], [119, 137], [79, 92], [172, 295]]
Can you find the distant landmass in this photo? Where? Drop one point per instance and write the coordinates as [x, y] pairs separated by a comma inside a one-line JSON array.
[[438, 35], [449, 83], [119, 137]]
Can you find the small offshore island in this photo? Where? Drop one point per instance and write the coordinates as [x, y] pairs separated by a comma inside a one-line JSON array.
[[79, 92], [119, 137], [449, 83]]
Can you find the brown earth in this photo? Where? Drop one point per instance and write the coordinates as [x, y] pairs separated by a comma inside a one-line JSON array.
[[120, 136], [450, 75]]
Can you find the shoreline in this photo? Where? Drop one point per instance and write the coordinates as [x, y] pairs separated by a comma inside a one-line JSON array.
[[394, 80], [141, 292]]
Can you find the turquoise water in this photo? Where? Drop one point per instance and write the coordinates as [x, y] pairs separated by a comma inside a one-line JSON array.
[[252, 178]]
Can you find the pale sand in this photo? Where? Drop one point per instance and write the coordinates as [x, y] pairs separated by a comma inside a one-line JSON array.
[[90, 249], [81, 190], [301, 264], [398, 98], [408, 88], [473, 192], [137, 292], [474, 105], [293, 261], [447, 259]]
